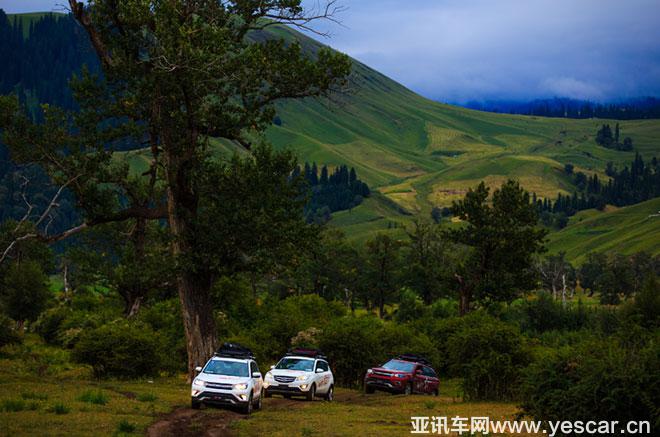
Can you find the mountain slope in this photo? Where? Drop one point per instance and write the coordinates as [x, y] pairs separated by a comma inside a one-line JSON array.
[[422, 153], [625, 230]]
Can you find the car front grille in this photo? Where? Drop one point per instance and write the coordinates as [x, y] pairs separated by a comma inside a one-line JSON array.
[[217, 386], [382, 374], [285, 379]]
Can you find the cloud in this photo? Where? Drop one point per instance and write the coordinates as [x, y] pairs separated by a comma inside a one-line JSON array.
[[571, 87], [458, 50]]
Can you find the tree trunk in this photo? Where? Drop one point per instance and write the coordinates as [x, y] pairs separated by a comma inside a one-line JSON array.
[[133, 308], [65, 277], [194, 288], [465, 296], [464, 302], [563, 289], [198, 321], [381, 305]]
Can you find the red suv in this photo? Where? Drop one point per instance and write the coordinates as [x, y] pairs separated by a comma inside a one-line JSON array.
[[405, 374]]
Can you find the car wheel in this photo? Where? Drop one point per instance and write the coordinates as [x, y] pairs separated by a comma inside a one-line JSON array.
[[436, 392], [311, 393], [258, 405], [268, 394], [247, 408], [408, 390], [369, 390], [330, 395], [195, 405]]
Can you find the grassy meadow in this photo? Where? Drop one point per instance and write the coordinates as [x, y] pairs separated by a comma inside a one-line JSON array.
[[45, 394]]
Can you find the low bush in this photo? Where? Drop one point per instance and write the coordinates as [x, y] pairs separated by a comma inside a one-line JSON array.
[[126, 427], [50, 322], [8, 334], [59, 409], [546, 314], [596, 380], [489, 356], [121, 349], [165, 319], [12, 405], [96, 397], [352, 345]]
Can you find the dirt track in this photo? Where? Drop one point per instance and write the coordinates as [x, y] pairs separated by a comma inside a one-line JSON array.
[[209, 422]]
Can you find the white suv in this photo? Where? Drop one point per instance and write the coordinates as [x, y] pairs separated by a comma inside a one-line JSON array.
[[231, 377], [302, 372]]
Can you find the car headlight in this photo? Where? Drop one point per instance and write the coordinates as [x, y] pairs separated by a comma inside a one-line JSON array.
[[398, 375], [269, 375], [369, 371], [199, 382], [302, 378], [240, 386]]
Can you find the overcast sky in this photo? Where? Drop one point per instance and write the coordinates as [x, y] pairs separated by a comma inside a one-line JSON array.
[[459, 50]]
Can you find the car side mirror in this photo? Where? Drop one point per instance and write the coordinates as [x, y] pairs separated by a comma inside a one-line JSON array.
[[198, 369], [418, 372], [256, 375], [319, 370], [272, 367]]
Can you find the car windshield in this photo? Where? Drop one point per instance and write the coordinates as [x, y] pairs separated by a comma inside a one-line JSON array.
[[402, 366], [228, 368], [303, 364]]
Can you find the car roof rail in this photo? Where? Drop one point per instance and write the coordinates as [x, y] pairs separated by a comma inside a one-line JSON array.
[[414, 358], [234, 350], [306, 352]]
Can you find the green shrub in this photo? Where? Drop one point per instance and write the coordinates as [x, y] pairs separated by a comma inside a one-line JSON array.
[[12, 405], [645, 308], [546, 314], [489, 357], [596, 380], [94, 397], [126, 427], [352, 345], [165, 319], [410, 307], [395, 339], [59, 409], [443, 329], [8, 334], [120, 349], [147, 397], [33, 395], [25, 291], [50, 322]]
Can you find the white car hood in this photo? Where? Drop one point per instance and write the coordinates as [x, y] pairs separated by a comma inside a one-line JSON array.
[[285, 372], [222, 379]]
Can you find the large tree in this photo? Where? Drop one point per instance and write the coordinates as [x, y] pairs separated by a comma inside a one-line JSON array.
[[502, 237], [175, 73]]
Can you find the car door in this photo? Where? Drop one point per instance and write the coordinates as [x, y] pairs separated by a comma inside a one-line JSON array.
[[419, 380], [256, 377], [323, 378], [432, 381]]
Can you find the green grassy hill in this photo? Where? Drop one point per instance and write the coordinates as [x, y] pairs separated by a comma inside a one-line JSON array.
[[420, 153], [624, 230]]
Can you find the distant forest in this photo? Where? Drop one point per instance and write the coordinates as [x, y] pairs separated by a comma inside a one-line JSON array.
[[331, 192], [638, 182], [38, 57], [631, 109]]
